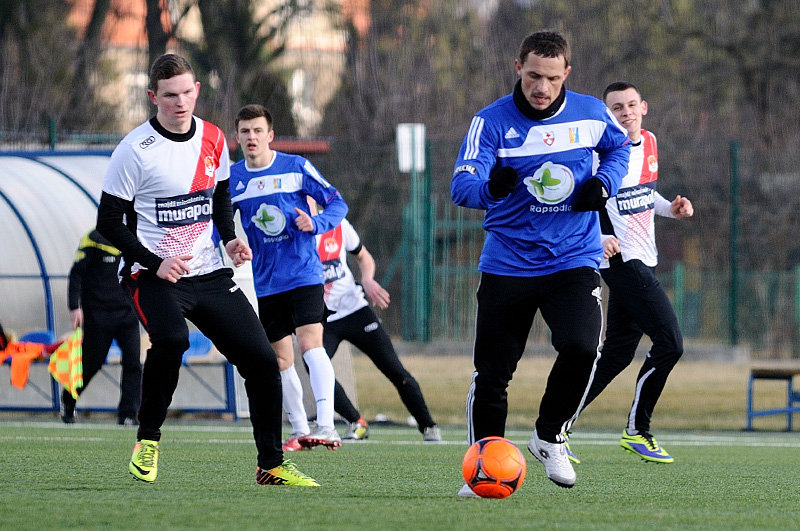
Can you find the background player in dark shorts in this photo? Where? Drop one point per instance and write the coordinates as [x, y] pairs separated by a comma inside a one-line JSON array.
[[352, 320]]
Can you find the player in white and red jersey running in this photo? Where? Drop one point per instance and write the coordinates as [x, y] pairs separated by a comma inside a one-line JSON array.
[[270, 190], [353, 320], [637, 303], [163, 193]]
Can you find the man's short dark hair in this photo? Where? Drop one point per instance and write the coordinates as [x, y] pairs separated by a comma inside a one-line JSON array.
[[544, 44], [167, 66], [253, 111], [618, 86]]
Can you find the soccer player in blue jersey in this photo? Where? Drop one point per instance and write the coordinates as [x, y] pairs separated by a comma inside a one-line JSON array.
[[270, 190], [527, 161]]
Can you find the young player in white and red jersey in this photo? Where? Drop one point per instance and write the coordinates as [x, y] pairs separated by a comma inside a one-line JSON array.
[[270, 190], [163, 193], [637, 303], [353, 320]]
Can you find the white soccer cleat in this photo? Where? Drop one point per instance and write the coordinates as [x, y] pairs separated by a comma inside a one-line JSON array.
[[466, 492], [321, 436], [555, 460]]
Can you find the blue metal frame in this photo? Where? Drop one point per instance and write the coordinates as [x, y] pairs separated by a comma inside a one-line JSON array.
[[230, 390], [70, 179], [792, 398], [230, 384], [48, 296], [35, 155], [46, 278]]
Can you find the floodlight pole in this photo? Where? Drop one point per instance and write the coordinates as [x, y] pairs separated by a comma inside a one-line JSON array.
[[412, 159]]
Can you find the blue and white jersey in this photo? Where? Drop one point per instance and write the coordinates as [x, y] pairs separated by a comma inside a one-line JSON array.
[[284, 257], [534, 230]]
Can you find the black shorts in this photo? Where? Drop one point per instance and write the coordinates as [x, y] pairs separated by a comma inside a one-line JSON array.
[[282, 313]]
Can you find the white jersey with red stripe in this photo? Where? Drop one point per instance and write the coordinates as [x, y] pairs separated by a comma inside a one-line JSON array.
[[342, 295], [632, 211], [171, 184]]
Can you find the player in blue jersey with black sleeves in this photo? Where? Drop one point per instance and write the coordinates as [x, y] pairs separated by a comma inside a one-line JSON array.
[[527, 161], [270, 190]]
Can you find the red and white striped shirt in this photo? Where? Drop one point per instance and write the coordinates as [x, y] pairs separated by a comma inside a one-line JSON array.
[[171, 184], [632, 211]]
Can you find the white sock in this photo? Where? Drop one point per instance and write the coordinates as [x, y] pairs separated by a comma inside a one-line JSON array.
[[293, 400], [320, 372]]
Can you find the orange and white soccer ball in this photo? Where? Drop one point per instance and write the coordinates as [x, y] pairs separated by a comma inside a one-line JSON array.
[[494, 467]]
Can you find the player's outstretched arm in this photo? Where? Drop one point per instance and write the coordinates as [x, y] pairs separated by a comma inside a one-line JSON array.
[[372, 289]]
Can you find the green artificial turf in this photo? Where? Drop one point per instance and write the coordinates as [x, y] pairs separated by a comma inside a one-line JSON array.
[[75, 477]]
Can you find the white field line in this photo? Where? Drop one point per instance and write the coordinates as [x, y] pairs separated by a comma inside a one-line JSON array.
[[244, 427], [519, 437]]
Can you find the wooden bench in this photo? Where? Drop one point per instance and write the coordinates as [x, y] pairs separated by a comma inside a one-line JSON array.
[[774, 370]]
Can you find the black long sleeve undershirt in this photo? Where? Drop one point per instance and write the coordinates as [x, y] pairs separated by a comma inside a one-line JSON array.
[[109, 223], [222, 214]]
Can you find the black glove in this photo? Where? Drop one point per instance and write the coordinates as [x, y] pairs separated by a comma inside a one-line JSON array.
[[502, 181], [593, 196]]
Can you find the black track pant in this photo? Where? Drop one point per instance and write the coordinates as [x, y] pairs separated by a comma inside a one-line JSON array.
[[219, 309], [570, 304], [100, 328], [364, 331], [638, 305]]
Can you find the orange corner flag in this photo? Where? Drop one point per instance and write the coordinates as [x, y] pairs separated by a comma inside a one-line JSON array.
[[66, 363]]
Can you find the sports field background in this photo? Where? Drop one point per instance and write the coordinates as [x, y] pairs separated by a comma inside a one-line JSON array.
[[699, 395]]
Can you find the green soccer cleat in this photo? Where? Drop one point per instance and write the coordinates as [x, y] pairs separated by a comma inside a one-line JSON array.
[[144, 461], [357, 430], [571, 456], [645, 446], [285, 474]]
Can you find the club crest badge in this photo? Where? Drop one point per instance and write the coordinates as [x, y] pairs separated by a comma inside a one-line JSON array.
[[652, 163], [551, 184], [210, 166]]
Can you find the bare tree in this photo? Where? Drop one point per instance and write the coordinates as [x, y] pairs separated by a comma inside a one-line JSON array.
[[237, 56], [162, 23], [83, 87], [37, 51]]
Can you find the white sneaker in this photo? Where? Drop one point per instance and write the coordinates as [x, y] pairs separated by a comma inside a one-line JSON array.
[[432, 434], [554, 458], [466, 492]]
